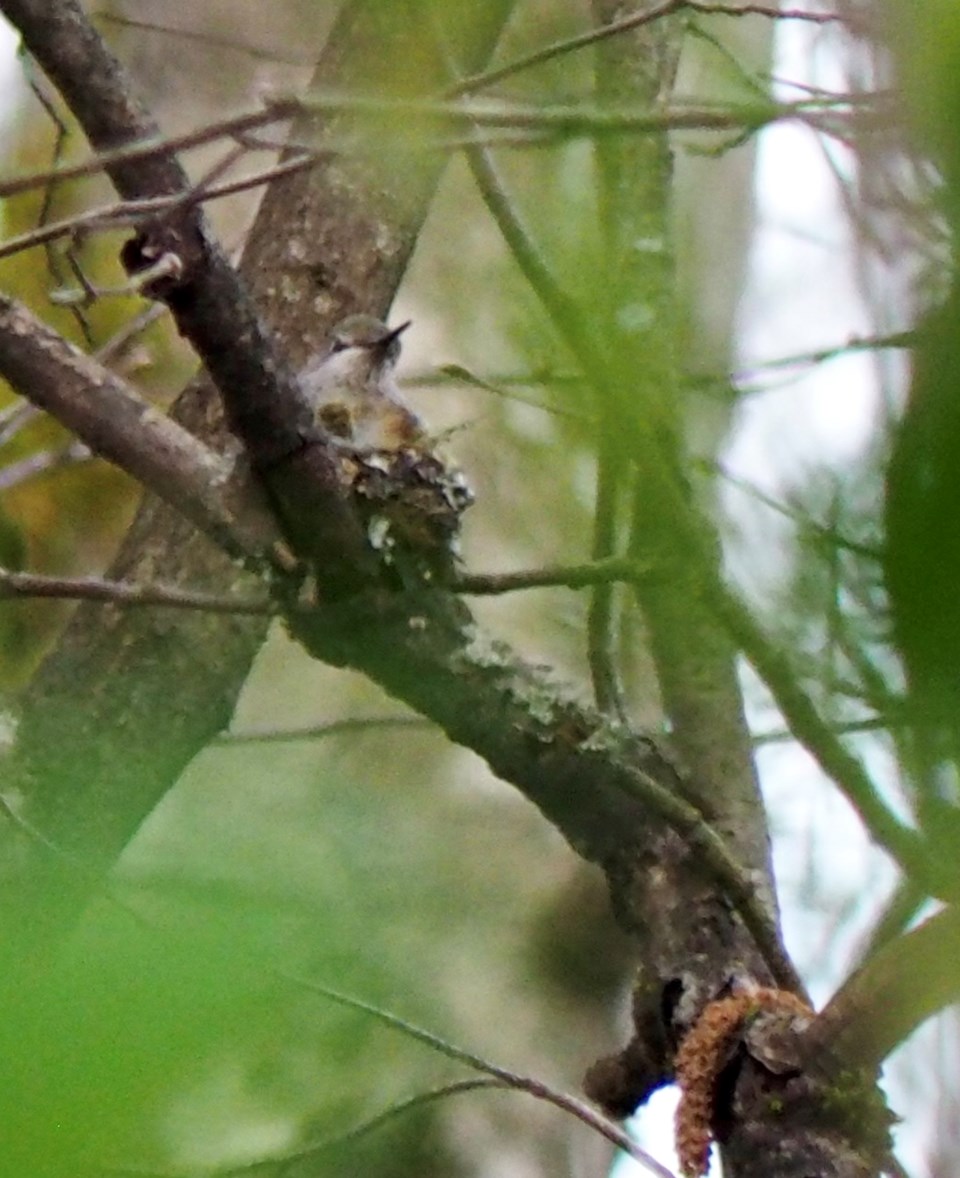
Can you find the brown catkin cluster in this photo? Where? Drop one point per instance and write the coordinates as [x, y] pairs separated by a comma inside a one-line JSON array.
[[702, 1055]]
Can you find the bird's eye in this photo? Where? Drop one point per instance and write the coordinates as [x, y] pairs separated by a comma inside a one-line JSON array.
[[338, 345]]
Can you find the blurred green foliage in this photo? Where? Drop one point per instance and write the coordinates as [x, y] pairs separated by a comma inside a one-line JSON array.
[[923, 478]]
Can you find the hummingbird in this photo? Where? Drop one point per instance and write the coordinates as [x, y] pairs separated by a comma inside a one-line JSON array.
[[352, 391], [409, 497]]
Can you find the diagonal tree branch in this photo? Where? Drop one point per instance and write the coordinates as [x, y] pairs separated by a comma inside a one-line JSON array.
[[214, 492], [125, 700]]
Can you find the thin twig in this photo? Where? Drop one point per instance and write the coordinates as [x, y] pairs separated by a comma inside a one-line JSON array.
[[16, 417], [576, 576], [560, 120], [132, 328], [536, 1088], [842, 766], [856, 343], [133, 212], [845, 728], [17, 585], [804, 523], [634, 21], [42, 462], [153, 146], [202, 37], [311, 1149], [448, 374], [602, 615], [319, 731], [582, 119], [38, 88], [168, 265]]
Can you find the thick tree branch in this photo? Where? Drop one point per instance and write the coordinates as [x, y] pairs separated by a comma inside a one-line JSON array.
[[616, 796], [215, 492], [455, 652]]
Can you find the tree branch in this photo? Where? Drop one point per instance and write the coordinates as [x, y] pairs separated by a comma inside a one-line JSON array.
[[575, 576], [635, 20], [117, 424], [903, 984], [842, 766], [134, 212], [23, 586]]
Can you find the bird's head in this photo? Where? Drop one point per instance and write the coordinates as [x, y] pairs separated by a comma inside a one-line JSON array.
[[366, 336]]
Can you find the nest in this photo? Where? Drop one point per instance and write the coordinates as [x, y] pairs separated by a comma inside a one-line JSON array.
[[411, 502]]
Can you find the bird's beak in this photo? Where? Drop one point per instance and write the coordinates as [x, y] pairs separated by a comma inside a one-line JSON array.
[[395, 333]]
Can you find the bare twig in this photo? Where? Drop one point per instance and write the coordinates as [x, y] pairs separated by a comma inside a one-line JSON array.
[[16, 417], [856, 343], [569, 121], [449, 374], [312, 1149], [151, 147], [61, 134], [577, 576], [846, 728], [133, 212], [635, 21], [203, 37], [167, 265], [841, 765], [42, 462], [115, 345], [320, 731], [335, 1141], [17, 585], [536, 1088], [804, 523], [557, 120], [602, 615]]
